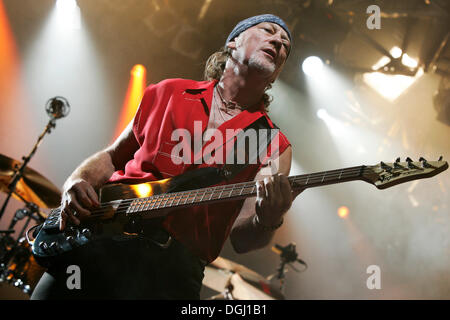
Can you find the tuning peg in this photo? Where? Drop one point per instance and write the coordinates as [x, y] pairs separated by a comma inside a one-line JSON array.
[[440, 158], [411, 164], [385, 166], [424, 162], [397, 165], [409, 161]]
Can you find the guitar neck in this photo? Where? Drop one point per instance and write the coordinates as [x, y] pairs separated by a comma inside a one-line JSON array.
[[237, 191]]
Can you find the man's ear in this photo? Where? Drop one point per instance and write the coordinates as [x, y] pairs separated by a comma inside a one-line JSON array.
[[232, 44]]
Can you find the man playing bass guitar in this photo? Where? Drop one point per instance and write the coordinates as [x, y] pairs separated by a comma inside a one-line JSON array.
[[231, 97]]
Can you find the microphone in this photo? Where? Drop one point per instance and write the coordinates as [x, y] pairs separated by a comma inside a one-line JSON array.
[[19, 215], [57, 107], [288, 253]]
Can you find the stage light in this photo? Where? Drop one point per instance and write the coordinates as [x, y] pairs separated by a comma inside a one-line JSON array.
[[391, 86], [9, 58], [69, 16], [409, 62], [343, 212], [322, 114], [396, 52], [204, 9], [138, 71], [133, 97], [335, 126], [312, 66], [66, 5]]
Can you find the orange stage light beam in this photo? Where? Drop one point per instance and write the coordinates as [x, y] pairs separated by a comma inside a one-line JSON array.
[[9, 62], [133, 97], [16, 123]]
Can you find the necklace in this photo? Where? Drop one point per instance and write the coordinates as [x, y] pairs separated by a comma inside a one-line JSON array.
[[219, 107], [228, 103]]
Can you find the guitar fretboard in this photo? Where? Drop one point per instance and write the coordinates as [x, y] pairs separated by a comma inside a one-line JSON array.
[[238, 190]]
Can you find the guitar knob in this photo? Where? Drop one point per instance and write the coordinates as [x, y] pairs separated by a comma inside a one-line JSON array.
[[86, 232], [71, 241], [43, 246], [55, 247]]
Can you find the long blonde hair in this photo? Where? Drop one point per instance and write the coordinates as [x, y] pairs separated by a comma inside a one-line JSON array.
[[215, 65]]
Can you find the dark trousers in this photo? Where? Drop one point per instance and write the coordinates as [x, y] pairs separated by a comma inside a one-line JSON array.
[[128, 269]]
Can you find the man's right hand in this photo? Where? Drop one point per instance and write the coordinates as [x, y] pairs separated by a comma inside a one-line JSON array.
[[78, 198]]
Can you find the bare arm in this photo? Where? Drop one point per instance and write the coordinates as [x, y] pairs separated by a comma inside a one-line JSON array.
[[79, 189], [274, 198]]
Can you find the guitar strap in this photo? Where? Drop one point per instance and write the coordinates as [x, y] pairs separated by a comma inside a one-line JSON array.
[[242, 156], [235, 162]]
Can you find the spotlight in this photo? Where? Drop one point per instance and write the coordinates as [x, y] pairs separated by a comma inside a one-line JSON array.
[[322, 114], [68, 14], [343, 212], [66, 5], [312, 66], [138, 71]]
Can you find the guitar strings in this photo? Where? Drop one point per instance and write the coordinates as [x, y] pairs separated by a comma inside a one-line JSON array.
[[296, 180], [344, 173]]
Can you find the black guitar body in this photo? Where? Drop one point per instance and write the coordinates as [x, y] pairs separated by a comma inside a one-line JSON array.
[[52, 245]]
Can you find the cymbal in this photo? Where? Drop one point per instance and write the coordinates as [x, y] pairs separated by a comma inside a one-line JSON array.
[[216, 279], [222, 263], [243, 283], [245, 291], [32, 187]]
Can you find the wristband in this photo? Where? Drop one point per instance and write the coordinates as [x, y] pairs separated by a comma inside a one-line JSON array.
[[257, 223]]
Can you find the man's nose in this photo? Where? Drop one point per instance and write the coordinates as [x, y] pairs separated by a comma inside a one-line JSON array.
[[276, 41]]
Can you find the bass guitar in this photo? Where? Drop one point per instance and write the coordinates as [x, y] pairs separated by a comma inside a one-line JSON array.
[[123, 205]]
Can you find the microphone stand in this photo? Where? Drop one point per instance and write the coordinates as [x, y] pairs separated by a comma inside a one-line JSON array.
[[18, 173], [288, 255]]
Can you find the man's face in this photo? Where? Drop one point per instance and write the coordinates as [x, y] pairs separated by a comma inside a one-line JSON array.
[[263, 47]]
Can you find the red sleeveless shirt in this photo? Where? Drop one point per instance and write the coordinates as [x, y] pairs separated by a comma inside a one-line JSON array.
[[177, 104]]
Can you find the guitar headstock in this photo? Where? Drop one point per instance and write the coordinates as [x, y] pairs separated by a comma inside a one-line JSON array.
[[385, 175]]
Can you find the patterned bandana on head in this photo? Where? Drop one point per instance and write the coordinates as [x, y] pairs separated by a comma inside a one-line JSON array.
[[252, 21]]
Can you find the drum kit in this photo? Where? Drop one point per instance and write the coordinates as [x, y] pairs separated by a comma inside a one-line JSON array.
[[19, 272]]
